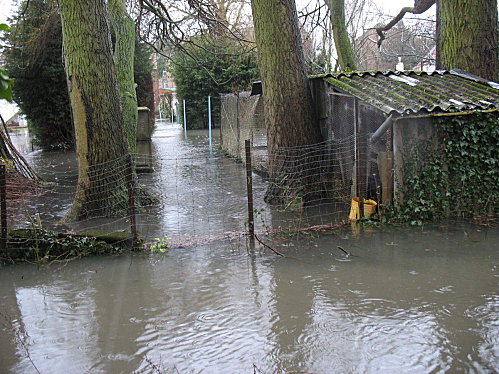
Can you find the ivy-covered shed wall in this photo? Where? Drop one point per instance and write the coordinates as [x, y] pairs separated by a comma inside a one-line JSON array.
[[441, 140], [448, 167]]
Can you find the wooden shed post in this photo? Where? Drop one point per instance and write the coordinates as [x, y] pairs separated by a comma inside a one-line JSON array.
[[361, 156]]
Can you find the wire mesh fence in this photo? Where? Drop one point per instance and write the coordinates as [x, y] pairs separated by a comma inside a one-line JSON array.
[[193, 195]]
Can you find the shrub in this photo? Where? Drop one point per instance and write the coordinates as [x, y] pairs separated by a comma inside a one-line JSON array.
[[209, 67], [35, 62]]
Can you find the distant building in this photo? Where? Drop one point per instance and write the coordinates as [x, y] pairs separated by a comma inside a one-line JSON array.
[[402, 49], [11, 114], [165, 90], [428, 63]]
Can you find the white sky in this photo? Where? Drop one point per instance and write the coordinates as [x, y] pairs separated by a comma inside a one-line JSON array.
[[389, 6], [5, 9]]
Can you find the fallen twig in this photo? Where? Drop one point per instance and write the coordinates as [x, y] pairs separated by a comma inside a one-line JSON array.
[[267, 246], [153, 366], [346, 252], [20, 338]]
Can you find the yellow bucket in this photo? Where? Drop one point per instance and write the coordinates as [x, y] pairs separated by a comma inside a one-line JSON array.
[[369, 208]]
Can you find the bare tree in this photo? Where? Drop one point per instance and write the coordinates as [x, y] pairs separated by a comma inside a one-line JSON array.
[[289, 111], [467, 35], [420, 6], [336, 26], [169, 23]]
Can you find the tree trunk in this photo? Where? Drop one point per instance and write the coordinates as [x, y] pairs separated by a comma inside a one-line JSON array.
[[289, 110], [346, 56], [101, 144], [467, 36], [124, 50]]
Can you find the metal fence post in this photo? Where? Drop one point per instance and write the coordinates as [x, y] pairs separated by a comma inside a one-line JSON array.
[[209, 119], [249, 187], [171, 110], [131, 202], [3, 209], [185, 120]]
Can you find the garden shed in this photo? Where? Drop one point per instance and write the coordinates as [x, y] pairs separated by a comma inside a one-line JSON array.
[[392, 114], [373, 121]]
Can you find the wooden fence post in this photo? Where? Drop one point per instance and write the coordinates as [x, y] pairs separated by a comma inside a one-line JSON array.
[[249, 187], [131, 202], [3, 209]]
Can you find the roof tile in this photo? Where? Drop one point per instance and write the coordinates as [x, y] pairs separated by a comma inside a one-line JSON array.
[[411, 92]]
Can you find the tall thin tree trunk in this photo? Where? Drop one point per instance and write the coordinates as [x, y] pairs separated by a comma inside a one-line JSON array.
[[467, 36], [124, 31], [289, 111], [101, 144], [346, 56]]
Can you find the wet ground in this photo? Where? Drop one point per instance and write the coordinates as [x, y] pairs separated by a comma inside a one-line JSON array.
[[409, 301]]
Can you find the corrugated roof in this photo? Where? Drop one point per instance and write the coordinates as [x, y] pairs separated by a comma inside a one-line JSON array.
[[410, 92]]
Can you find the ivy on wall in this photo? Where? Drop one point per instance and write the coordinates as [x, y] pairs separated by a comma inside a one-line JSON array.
[[456, 176]]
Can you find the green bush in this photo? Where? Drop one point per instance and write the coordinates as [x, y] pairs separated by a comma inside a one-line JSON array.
[[34, 60], [143, 77], [5, 81], [209, 67]]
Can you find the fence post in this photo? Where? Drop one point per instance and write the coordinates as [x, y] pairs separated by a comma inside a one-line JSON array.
[[209, 119], [185, 120], [3, 209], [131, 201], [171, 109], [357, 185], [249, 187]]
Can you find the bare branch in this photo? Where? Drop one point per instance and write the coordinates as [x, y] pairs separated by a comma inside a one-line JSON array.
[[420, 6]]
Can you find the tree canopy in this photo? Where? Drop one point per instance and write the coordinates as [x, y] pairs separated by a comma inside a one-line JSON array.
[[34, 60], [208, 67]]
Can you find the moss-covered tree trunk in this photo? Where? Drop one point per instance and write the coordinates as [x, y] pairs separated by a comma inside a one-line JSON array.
[[467, 36], [124, 50], [101, 144], [346, 56], [289, 111]]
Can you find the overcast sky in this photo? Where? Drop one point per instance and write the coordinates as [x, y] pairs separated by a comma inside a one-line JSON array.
[[390, 6]]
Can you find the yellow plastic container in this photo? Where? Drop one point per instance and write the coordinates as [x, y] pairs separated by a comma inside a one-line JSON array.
[[369, 208]]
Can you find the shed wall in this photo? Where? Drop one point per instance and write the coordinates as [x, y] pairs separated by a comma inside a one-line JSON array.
[[242, 118], [407, 134]]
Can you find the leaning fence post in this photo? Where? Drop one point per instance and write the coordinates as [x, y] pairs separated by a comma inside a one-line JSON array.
[[249, 187], [3, 209], [131, 202]]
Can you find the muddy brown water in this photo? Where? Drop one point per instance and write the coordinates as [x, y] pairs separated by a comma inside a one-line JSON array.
[[413, 301]]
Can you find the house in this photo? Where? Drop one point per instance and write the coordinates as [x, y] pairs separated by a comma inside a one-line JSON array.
[[165, 91]]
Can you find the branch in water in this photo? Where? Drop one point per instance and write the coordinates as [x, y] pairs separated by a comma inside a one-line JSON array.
[[346, 252], [267, 246]]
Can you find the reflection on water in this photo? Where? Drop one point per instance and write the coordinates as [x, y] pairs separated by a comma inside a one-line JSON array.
[[22, 140], [413, 301]]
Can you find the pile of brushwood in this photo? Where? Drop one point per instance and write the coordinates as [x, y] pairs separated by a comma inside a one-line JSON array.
[[43, 247]]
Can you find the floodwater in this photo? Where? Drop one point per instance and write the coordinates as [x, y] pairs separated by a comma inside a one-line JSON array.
[[198, 194], [196, 191], [409, 301]]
